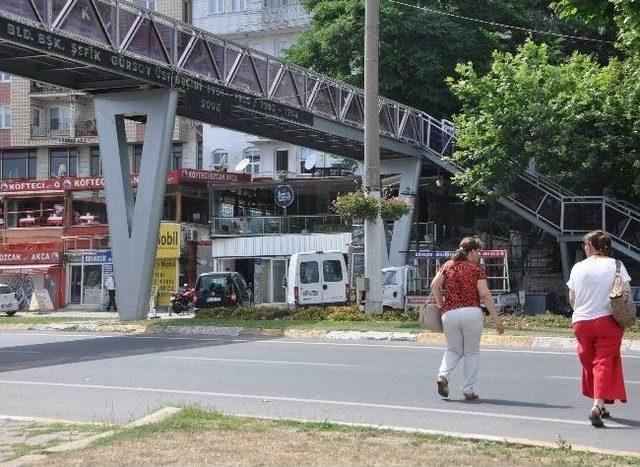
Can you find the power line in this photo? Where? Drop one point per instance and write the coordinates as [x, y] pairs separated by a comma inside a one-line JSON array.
[[503, 25]]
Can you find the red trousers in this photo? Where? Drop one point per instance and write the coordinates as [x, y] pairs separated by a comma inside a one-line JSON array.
[[599, 351]]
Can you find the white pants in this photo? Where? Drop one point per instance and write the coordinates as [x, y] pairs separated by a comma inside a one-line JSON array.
[[462, 328]]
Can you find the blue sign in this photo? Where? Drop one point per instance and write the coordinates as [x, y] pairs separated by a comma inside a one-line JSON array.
[[430, 254], [284, 196], [98, 257]]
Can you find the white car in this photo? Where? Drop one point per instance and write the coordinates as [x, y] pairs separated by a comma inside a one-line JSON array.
[[8, 300]]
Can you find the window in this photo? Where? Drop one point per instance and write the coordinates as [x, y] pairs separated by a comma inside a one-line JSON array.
[[136, 158], [303, 155], [59, 119], [389, 278], [253, 155], [216, 6], [5, 78], [63, 161], [199, 155], [36, 117], [187, 11], [280, 47], [176, 156], [332, 270], [148, 4], [309, 273], [220, 159], [238, 5], [5, 117], [18, 163], [96, 166]]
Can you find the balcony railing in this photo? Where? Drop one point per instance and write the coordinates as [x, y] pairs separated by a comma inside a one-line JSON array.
[[48, 131], [292, 14], [43, 88], [270, 225], [86, 128]]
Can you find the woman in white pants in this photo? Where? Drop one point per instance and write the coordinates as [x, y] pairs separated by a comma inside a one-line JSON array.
[[464, 282]]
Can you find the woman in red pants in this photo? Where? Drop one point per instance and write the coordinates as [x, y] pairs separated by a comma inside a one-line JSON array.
[[599, 335]]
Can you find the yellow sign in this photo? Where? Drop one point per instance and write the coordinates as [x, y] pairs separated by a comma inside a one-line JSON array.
[[168, 241], [165, 279]]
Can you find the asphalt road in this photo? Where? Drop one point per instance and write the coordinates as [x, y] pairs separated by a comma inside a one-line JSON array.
[[525, 393]]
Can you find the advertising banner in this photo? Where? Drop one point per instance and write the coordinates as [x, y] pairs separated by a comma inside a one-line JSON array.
[[165, 273]]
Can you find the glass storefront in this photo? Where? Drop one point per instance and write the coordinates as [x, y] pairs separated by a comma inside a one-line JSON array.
[[87, 273]]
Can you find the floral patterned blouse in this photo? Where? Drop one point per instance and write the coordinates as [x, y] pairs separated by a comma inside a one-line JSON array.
[[461, 284]]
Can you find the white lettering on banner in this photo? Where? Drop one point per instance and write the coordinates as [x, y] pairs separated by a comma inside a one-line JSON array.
[[7, 257]]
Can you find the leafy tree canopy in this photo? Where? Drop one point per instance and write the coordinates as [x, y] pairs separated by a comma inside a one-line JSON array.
[[577, 119], [418, 49]]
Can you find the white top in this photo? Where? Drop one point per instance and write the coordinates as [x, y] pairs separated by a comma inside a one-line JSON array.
[[110, 283], [591, 281]]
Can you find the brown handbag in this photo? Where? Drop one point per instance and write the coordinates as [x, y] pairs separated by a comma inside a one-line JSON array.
[[622, 307], [430, 317]]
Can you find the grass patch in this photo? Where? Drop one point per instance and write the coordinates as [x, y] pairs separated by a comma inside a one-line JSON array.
[[194, 436], [24, 319]]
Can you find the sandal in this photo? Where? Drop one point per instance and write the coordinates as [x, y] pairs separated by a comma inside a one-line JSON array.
[[470, 396], [605, 413], [443, 386], [596, 416]]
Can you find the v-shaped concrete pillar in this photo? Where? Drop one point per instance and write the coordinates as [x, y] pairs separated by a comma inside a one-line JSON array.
[[134, 223]]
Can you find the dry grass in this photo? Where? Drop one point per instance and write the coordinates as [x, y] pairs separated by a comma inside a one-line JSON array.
[[222, 440]]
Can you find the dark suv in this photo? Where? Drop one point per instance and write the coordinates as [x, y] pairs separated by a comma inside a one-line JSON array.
[[222, 289]]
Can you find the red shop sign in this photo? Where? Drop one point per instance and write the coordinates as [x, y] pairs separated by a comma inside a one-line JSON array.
[[29, 257]]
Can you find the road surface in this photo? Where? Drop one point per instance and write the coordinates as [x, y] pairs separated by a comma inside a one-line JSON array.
[[525, 393]]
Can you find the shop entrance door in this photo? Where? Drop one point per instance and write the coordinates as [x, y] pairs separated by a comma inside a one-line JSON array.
[[279, 274], [75, 284]]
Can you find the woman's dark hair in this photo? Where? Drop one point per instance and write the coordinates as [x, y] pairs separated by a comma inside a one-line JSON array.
[[467, 245], [600, 241]]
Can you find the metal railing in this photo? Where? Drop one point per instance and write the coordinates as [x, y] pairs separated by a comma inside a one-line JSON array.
[[271, 225], [289, 14], [48, 131], [38, 87]]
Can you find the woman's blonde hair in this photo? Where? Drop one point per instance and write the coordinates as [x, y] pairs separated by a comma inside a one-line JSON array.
[[467, 245], [600, 241]]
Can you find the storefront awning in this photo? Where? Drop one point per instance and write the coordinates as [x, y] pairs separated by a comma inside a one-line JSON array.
[[26, 269]]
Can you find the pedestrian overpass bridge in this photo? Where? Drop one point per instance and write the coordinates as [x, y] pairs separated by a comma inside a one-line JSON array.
[[140, 64]]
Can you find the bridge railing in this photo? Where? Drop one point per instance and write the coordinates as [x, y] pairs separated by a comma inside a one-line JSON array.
[[128, 30]]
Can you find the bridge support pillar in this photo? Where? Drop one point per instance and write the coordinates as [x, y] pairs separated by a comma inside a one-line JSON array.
[[409, 171], [566, 261], [134, 222]]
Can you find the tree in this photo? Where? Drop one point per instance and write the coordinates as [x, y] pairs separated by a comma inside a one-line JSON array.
[[419, 50], [577, 119], [623, 14]]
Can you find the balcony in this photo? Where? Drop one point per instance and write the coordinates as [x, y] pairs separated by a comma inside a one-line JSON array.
[[39, 88], [271, 225], [284, 15], [86, 128], [47, 131]]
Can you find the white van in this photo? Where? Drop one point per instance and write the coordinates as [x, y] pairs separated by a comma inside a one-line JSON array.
[[397, 283], [316, 278]]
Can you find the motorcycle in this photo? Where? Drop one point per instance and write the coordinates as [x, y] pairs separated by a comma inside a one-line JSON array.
[[182, 301]]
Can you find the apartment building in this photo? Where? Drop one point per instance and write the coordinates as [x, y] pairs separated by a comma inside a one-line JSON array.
[[53, 208]]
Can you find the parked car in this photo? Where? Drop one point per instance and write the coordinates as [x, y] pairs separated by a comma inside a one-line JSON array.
[[316, 278], [397, 283], [227, 289], [8, 300]]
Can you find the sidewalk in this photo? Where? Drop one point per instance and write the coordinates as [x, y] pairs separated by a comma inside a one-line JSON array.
[[103, 322]]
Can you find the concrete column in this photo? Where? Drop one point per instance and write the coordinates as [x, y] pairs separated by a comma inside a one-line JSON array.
[[133, 226], [409, 171], [566, 261]]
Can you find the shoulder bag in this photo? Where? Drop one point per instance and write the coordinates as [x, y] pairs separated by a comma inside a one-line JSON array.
[[622, 307], [430, 317]]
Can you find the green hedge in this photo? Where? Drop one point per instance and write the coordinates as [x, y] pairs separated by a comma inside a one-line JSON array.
[[312, 313]]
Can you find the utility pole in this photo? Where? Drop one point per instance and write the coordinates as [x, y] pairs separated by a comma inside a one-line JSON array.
[[373, 230]]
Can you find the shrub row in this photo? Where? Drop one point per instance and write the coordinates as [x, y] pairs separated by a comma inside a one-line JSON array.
[[312, 313]]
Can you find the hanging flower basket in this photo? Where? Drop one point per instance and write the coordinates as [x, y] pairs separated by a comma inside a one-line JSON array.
[[393, 209], [356, 205]]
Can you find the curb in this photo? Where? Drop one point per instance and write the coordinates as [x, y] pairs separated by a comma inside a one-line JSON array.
[[568, 343]]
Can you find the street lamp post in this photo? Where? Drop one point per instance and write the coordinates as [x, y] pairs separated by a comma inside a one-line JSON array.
[[373, 230]]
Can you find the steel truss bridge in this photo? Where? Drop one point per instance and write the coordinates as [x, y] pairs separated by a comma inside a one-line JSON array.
[[106, 46]]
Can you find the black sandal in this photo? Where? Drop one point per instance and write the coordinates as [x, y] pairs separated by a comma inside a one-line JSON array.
[[596, 416], [605, 413]]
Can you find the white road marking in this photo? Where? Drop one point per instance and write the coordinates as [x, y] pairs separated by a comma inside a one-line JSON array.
[[271, 362], [19, 351], [264, 398], [577, 378]]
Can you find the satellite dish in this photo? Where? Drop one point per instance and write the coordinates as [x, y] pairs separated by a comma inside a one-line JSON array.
[[310, 161], [240, 166]]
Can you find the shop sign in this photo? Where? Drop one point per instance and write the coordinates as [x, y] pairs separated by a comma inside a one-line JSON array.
[[168, 241], [416, 300], [440, 254], [211, 176], [165, 279], [98, 257], [8, 257], [284, 196]]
